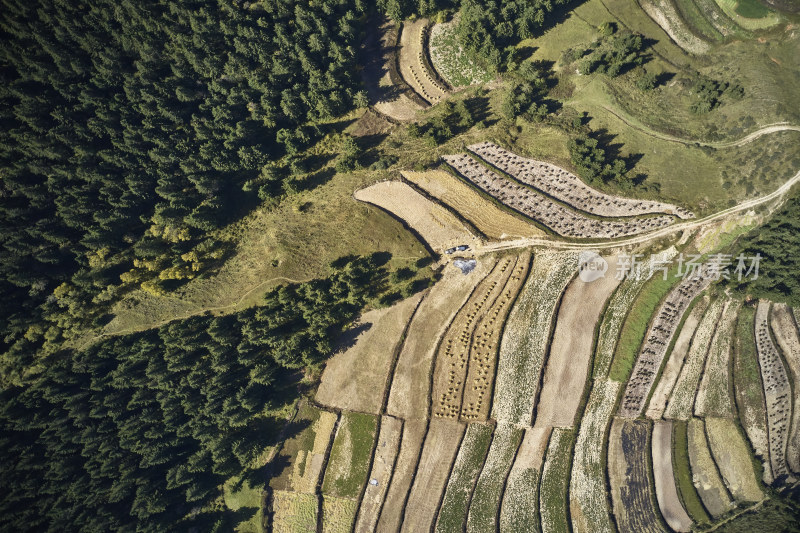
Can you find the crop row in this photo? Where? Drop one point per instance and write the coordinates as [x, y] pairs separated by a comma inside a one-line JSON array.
[[777, 391], [657, 341], [568, 187], [560, 219]]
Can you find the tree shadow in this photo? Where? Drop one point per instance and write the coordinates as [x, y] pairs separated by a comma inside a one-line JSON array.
[[348, 338]]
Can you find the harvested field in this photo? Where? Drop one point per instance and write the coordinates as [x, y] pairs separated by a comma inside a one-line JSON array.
[[562, 220], [714, 393], [785, 330], [617, 310], [657, 341], [749, 390], [706, 478], [555, 477], [665, 15], [459, 344], [477, 395], [348, 464], [681, 401], [438, 227], [628, 470], [588, 505], [777, 391], [484, 508], [338, 514], [666, 491], [733, 459], [526, 335], [410, 393], [386, 450], [520, 507], [413, 61], [468, 465], [569, 188], [571, 349], [438, 454], [658, 401], [387, 90], [294, 512], [391, 514], [494, 222], [302, 455], [356, 378]]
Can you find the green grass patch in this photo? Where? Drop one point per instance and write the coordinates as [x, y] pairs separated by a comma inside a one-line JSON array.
[[555, 478], [635, 326], [468, 465], [302, 441], [483, 509], [240, 495], [683, 473], [348, 466], [746, 372], [752, 9]]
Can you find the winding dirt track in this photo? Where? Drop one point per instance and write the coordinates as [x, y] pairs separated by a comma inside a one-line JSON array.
[[639, 239], [764, 130]]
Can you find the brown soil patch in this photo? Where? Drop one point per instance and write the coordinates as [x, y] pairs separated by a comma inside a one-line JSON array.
[[666, 491], [382, 464], [414, 64], [370, 123], [658, 402], [571, 349], [629, 474], [410, 391], [450, 371], [490, 219], [438, 454], [392, 512], [356, 379], [433, 223]]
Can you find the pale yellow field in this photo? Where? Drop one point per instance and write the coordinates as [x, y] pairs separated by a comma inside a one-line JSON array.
[[488, 218], [437, 226]]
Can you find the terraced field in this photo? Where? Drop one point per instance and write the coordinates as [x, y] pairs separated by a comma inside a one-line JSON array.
[[414, 64], [510, 396], [563, 220]]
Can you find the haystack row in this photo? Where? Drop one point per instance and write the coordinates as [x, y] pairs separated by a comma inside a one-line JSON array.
[[568, 187], [458, 344], [657, 341], [560, 219], [785, 329], [681, 401], [485, 343], [777, 391], [413, 65], [658, 401]]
